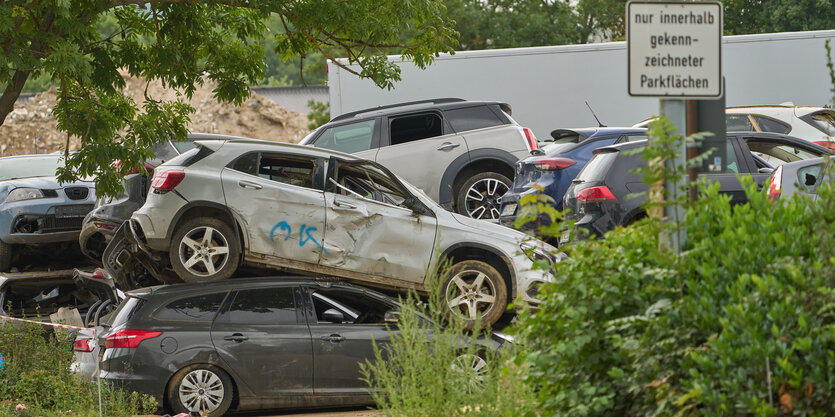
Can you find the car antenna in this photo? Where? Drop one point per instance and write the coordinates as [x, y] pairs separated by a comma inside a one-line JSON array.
[[595, 116]]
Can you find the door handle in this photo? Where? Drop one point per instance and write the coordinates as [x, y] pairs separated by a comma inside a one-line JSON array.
[[249, 184], [237, 337], [448, 146], [344, 204], [335, 338]]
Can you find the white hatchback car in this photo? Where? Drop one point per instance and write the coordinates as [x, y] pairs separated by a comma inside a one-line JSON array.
[[815, 124], [322, 212]]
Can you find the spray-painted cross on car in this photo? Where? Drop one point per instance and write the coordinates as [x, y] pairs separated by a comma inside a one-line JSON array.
[[315, 211]]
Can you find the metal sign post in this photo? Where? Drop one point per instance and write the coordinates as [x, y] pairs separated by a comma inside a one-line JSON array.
[[674, 53]]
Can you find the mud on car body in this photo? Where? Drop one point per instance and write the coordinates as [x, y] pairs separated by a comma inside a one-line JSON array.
[[35, 208], [316, 211]]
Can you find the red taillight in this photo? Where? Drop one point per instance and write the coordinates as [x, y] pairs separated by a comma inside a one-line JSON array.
[[82, 345], [128, 338], [826, 144], [103, 226], [553, 164], [774, 189], [167, 180], [596, 194], [530, 139], [98, 273], [118, 164]]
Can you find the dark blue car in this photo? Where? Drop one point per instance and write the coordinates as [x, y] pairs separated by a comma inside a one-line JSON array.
[[562, 161]]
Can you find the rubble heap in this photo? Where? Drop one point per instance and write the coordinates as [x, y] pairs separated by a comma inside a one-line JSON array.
[[32, 128]]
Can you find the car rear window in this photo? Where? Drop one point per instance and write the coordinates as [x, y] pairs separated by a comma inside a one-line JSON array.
[[471, 118], [597, 168], [196, 308], [190, 157], [823, 121], [125, 310], [810, 177]]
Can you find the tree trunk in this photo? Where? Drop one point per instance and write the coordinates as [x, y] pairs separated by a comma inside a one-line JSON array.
[[11, 94]]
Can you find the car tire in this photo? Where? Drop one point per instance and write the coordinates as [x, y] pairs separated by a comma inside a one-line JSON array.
[[200, 388], [475, 292], [473, 371], [5, 256], [204, 249], [478, 197]]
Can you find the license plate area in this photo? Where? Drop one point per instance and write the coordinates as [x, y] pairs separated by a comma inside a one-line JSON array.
[[65, 212]]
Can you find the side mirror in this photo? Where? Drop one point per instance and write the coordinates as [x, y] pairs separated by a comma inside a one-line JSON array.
[[392, 316], [765, 170], [333, 315]]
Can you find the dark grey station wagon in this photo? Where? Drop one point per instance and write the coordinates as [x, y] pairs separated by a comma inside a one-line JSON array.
[[243, 344]]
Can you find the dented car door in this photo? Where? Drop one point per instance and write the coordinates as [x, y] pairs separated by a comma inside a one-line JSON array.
[[373, 225], [275, 195]]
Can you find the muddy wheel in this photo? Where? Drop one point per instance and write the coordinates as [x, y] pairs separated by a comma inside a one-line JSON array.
[[204, 249], [478, 197], [5, 256], [203, 389], [473, 291]]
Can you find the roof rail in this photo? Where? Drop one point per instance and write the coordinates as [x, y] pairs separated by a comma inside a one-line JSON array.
[[392, 106]]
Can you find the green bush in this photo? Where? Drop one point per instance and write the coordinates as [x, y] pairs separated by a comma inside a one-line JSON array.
[[37, 374], [740, 323]]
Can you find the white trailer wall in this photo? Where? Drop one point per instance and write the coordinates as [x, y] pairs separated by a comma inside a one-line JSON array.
[[547, 86]]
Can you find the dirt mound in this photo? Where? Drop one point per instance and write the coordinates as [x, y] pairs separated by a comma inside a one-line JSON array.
[[32, 128]]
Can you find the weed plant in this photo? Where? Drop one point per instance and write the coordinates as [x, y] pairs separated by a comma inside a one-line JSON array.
[[37, 374]]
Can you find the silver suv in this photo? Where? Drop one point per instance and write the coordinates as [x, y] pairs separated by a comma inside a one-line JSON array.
[[460, 153], [321, 212]]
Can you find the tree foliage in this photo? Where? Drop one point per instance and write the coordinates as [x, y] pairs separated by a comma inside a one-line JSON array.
[[184, 43], [765, 16]]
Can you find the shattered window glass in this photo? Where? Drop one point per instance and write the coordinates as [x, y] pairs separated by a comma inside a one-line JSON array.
[[369, 182], [357, 308], [291, 170]]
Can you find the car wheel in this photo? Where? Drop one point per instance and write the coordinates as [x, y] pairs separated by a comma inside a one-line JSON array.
[[479, 196], [204, 390], [204, 249], [5, 256], [475, 291], [472, 370]]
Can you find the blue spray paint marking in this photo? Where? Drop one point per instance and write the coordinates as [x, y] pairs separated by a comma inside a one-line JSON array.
[[283, 226], [304, 234]]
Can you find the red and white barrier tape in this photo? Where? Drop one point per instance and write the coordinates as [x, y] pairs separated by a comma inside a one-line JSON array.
[[63, 326]]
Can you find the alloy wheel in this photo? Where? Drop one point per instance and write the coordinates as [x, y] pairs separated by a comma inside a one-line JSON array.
[[483, 198], [204, 251]]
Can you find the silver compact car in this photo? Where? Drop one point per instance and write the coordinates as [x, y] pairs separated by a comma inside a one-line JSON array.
[[35, 208], [316, 211]]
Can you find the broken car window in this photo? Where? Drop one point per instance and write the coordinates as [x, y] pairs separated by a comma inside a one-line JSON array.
[[370, 182], [357, 307]]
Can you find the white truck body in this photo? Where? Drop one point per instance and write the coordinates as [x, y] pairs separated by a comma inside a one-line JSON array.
[[548, 86]]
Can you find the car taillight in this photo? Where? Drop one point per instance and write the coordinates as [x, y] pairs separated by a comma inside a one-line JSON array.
[[775, 188], [98, 273], [596, 194], [553, 164], [167, 180], [530, 139], [118, 164], [103, 226], [826, 144], [128, 338], [82, 345]]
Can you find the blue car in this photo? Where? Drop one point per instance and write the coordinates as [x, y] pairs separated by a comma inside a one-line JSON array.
[[562, 161], [35, 208]]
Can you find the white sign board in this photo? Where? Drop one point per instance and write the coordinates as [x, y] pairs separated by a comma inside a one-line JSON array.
[[674, 49]]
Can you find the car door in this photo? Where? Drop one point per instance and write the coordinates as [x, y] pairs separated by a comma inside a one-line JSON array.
[[413, 143], [736, 163], [340, 346], [276, 196], [264, 338], [375, 227]]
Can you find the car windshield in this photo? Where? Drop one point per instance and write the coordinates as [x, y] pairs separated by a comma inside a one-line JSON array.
[[35, 166]]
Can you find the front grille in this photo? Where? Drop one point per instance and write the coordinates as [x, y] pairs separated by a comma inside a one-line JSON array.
[[77, 193], [66, 224]]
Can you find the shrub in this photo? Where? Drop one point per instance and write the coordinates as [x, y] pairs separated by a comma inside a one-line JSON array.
[[37, 374]]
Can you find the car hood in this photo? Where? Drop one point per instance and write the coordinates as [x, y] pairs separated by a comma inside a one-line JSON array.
[[43, 183]]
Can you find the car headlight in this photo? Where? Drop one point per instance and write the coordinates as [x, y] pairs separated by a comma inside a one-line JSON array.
[[536, 253], [20, 194]]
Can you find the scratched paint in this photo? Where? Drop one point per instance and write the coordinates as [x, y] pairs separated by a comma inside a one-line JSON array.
[[305, 235]]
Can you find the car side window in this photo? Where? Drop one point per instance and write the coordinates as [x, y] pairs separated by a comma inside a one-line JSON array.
[[633, 137], [196, 308], [368, 181], [773, 126], [261, 306], [287, 169], [356, 307], [738, 123], [414, 127], [776, 153], [471, 118], [731, 163], [348, 138]]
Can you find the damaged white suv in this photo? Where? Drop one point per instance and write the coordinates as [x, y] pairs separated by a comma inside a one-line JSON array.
[[315, 211]]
